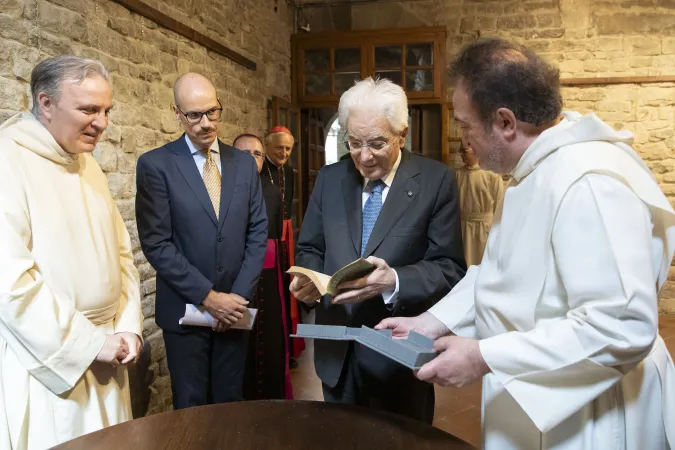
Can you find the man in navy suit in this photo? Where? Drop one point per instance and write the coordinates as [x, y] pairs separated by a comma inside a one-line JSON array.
[[401, 212], [203, 228]]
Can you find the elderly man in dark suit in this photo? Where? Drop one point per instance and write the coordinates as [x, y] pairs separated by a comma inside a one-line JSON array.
[[400, 211], [203, 228]]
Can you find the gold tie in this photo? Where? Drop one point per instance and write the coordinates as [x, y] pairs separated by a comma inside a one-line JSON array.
[[212, 180]]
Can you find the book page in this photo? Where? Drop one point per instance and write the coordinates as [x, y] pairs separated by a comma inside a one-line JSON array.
[[319, 279]]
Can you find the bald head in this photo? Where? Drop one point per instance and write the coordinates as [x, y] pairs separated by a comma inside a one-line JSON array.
[[192, 85], [194, 94]]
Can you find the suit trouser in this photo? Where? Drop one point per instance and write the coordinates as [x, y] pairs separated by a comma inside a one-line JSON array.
[[206, 367], [406, 395]]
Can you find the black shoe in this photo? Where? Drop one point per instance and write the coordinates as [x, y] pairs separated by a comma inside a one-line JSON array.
[[292, 364]]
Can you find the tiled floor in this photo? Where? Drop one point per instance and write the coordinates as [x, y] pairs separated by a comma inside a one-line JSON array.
[[457, 410]]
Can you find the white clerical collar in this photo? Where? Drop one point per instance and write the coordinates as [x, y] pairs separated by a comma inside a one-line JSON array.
[[269, 161], [194, 150], [389, 178]]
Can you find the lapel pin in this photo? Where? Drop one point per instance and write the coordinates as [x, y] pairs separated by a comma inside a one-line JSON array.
[[409, 193]]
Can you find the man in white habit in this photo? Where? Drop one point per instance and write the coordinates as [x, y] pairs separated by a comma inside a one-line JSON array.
[[70, 316], [560, 318]]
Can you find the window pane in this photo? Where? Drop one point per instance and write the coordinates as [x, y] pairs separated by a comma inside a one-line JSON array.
[[393, 75], [317, 60], [388, 56], [348, 59], [283, 113], [293, 125], [317, 84], [344, 81], [419, 80], [419, 55]]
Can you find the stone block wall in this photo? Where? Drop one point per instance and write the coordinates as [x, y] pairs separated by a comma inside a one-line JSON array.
[[586, 38], [145, 60]]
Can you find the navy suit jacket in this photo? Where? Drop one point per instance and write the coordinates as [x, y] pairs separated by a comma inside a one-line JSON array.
[[417, 232], [191, 250]]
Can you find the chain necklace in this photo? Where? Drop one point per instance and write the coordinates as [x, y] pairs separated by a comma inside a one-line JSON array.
[[283, 178]]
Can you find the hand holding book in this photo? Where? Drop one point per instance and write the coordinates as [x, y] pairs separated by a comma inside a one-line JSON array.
[[355, 282], [303, 288]]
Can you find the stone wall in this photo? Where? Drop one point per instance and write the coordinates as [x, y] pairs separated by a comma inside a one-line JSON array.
[[586, 38], [145, 60]]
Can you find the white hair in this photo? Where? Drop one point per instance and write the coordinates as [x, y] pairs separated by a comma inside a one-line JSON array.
[[381, 94]]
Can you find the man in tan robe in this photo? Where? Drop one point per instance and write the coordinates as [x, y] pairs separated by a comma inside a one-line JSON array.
[[480, 192], [70, 316]]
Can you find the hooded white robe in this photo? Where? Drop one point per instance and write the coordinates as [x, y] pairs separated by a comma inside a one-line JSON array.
[[564, 302], [67, 280]]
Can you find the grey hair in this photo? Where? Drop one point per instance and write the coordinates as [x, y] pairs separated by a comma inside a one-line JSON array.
[[382, 94], [48, 75]]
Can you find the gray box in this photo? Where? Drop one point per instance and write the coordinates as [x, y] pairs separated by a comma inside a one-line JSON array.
[[413, 352], [330, 332]]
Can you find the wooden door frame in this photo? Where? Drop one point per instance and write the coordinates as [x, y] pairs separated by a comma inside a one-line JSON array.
[[363, 39], [446, 128], [276, 105]]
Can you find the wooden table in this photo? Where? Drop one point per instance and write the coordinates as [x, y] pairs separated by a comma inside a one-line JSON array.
[[273, 425]]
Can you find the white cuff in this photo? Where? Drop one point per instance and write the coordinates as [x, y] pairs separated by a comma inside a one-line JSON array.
[[390, 297]]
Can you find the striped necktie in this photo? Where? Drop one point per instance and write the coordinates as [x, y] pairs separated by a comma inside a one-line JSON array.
[[211, 177]]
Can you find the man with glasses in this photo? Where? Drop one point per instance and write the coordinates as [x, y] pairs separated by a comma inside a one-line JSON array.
[[203, 227], [398, 210], [267, 371]]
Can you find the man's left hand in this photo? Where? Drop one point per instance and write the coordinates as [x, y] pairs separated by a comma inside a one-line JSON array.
[[375, 283], [220, 327], [459, 363], [134, 343]]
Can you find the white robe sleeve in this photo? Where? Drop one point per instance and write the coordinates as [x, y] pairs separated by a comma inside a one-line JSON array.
[[457, 309], [129, 317], [602, 245], [55, 343]]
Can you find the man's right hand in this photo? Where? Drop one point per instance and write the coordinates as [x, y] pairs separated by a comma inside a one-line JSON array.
[[226, 308], [304, 290], [114, 350], [426, 324]]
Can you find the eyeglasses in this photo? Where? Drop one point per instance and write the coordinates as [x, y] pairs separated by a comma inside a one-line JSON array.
[[194, 117], [356, 146]]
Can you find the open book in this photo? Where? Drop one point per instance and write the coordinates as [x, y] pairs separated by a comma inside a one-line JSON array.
[[328, 284]]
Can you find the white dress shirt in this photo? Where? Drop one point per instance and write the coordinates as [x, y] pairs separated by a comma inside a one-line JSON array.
[[200, 158], [388, 296]]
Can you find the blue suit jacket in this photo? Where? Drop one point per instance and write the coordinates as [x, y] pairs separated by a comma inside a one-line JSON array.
[[191, 250]]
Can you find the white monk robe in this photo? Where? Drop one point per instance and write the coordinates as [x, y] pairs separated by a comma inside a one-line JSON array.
[[67, 280], [564, 302]]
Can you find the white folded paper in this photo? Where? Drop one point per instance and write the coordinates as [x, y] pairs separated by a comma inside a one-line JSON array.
[[200, 317]]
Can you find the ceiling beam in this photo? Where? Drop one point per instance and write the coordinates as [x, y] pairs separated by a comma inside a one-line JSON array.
[[603, 81], [329, 3], [147, 11]]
